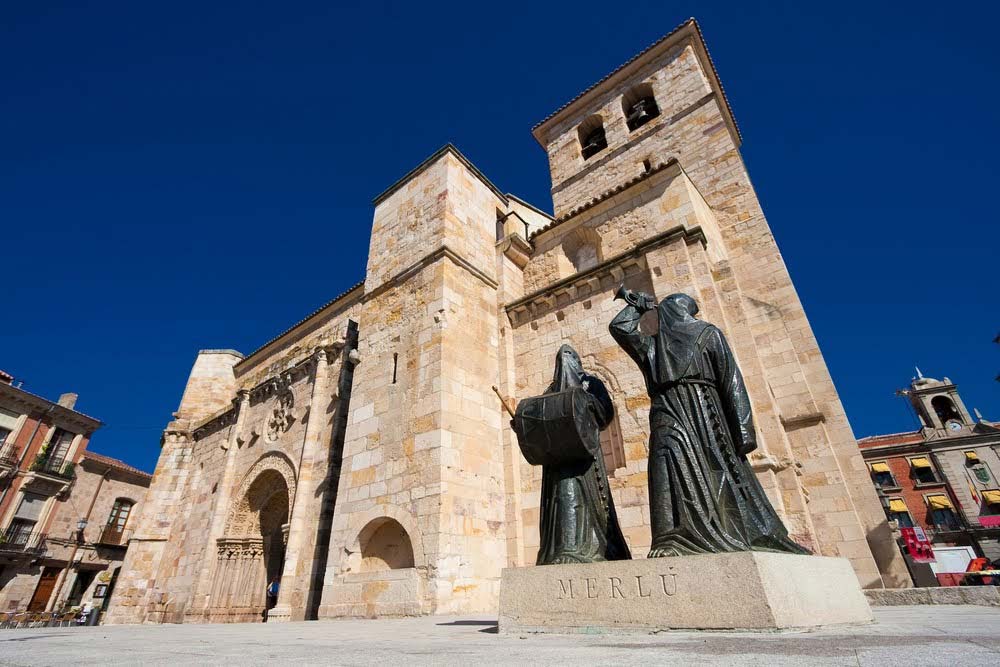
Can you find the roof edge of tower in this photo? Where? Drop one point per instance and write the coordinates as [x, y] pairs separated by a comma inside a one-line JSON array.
[[687, 29], [431, 159]]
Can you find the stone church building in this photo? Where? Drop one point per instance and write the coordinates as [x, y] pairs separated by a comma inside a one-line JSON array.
[[362, 456]]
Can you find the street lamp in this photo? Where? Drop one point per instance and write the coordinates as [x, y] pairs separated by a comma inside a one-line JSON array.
[[80, 526]]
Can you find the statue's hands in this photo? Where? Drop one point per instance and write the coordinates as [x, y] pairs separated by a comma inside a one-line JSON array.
[[639, 300]]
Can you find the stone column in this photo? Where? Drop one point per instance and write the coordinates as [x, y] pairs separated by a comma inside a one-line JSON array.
[[296, 576], [203, 598]]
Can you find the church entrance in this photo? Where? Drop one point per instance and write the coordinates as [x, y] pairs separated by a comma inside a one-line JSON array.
[[252, 553]]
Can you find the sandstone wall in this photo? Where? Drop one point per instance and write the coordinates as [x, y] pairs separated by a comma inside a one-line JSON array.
[[422, 443]]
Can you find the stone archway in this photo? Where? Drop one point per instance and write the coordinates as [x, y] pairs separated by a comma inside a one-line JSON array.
[[385, 545], [384, 569], [252, 551]]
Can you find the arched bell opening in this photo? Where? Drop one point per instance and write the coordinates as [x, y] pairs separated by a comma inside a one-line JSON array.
[[639, 106], [945, 409], [591, 136]]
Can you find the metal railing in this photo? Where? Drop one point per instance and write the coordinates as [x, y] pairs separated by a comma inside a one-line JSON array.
[[22, 542], [8, 457], [57, 467]]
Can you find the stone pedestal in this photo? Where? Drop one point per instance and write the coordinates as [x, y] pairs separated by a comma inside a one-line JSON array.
[[742, 591]]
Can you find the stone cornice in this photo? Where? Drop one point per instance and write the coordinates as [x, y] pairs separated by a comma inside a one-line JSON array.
[[442, 251], [59, 413], [589, 281], [930, 446], [803, 419], [671, 163], [272, 384]]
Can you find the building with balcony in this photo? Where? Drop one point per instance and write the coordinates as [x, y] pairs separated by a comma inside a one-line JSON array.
[[943, 477], [64, 511]]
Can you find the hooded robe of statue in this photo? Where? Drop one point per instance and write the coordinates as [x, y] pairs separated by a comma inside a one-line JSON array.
[[577, 521], [704, 496]]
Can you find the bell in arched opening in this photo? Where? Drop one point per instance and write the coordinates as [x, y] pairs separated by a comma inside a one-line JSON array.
[[639, 106], [592, 137]]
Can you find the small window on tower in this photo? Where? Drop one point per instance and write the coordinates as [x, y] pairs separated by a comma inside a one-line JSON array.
[[592, 139], [639, 106]]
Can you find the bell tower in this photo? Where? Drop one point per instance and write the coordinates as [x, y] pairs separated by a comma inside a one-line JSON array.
[[941, 410]]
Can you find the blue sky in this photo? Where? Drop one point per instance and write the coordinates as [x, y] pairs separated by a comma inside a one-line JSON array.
[[199, 175]]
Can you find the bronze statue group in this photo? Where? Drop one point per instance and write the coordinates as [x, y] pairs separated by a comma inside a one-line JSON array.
[[703, 494]]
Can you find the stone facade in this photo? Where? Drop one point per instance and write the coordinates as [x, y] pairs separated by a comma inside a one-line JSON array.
[[375, 415], [49, 481], [945, 477]]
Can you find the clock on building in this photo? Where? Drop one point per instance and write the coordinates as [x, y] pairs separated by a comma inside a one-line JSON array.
[[954, 425]]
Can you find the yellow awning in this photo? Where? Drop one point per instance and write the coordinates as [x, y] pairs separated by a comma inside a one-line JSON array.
[[897, 505], [992, 496], [939, 502], [880, 467], [920, 463], [972, 456]]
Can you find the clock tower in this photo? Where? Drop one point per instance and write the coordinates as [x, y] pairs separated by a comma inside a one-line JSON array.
[[941, 410]]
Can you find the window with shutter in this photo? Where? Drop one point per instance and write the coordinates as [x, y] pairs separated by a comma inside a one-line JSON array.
[[31, 506], [59, 449]]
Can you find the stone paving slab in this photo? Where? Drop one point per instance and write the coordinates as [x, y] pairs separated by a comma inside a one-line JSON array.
[[945, 635]]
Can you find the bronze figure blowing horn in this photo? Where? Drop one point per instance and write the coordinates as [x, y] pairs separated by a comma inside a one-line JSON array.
[[639, 300]]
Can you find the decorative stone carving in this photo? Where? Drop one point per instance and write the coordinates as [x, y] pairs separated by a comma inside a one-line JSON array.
[[242, 512], [281, 415]]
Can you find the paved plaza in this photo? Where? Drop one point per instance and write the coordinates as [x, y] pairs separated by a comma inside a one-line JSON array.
[[922, 635]]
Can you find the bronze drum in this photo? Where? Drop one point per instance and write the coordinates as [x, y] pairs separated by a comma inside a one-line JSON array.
[[556, 429]]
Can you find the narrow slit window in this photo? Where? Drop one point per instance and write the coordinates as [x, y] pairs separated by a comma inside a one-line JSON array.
[[395, 365]]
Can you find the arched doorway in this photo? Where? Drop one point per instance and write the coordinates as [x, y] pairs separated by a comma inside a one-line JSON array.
[[268, 499], [252, 552]]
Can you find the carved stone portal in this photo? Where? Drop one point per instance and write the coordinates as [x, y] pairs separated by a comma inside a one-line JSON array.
[[252, 552]]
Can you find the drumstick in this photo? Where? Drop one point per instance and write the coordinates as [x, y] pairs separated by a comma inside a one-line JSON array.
[[504, 401]]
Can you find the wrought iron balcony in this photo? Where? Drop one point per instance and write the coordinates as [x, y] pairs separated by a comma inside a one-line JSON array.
[[16, 541], [59, 468], [8, 457]]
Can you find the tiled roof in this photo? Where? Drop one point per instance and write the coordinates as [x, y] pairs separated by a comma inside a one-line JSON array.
[[904, 438], [97, 423], [621, 187], [305, 319], [115, 463]]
